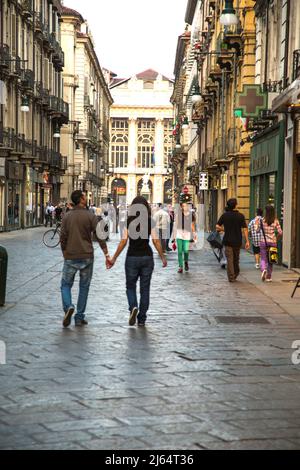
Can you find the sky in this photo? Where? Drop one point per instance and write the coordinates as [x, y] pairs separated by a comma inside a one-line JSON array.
[[134, 35]]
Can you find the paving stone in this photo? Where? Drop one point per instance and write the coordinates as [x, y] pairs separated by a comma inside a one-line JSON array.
[[183, 382]]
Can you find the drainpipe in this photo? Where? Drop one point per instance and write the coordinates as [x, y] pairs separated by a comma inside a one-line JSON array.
[[267, 44], [286, 52]]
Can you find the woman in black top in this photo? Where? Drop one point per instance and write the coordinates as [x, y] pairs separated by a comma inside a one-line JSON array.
[[139, 260]]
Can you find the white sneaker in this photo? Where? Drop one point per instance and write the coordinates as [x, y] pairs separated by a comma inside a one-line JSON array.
[[257, 266], [264, 275], [269, 280]]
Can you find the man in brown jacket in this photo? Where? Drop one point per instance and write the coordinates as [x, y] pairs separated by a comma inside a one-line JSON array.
[[78, 227]]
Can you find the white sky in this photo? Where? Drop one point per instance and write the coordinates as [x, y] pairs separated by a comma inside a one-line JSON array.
[[134, 35]]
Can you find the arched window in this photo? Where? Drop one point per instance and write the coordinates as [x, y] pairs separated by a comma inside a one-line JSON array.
[[146, 140], [119, 143]]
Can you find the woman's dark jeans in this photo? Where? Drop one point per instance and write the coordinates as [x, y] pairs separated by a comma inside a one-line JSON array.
[[139, 267]]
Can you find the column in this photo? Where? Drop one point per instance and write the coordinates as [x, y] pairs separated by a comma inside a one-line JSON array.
[[159, 146], [132, 145]]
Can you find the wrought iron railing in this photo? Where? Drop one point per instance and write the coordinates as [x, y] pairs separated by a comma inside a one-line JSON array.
[[296, 64], [4, 56]]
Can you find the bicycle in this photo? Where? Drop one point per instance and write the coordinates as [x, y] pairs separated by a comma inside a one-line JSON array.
[[51, 238]]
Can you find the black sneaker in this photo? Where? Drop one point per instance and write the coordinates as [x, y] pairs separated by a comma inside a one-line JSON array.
[[133, 315], [141, 323], [81, 322], [68, 316], [186, 266]]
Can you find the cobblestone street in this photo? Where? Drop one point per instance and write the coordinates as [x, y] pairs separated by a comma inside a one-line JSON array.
[[211, 370]]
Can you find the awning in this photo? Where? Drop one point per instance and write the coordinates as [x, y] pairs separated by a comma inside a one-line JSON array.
[[290, 97]]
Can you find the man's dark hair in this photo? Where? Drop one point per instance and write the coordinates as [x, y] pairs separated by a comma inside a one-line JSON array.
[[76, 196], [259, 212], [231, 204], [159, 204]]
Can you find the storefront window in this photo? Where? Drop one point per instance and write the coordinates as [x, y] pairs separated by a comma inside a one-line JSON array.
[[13, 204]]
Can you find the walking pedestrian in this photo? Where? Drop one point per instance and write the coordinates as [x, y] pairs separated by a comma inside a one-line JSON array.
[[49, 214], [233, 223], [184, 230], [256, 237], [162, 222], [170, 226], [271, 233], [139, 263], [77, 228]]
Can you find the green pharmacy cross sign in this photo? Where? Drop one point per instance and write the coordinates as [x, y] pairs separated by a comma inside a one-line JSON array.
[[251, 101]]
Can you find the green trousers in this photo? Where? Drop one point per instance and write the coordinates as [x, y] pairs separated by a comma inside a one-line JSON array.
[[183, 248]]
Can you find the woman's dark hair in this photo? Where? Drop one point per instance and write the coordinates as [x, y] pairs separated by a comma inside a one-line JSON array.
[[270, 215], [140, 200]]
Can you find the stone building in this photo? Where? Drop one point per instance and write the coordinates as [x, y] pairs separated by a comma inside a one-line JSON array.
[[86, 139], [141, 136], [32, 110]]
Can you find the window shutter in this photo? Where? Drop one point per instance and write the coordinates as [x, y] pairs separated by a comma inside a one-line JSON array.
[[46, 74], [51, 78], [13, 34]]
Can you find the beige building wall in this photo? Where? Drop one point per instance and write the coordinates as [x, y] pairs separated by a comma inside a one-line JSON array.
[[86, 139], [133, 102]]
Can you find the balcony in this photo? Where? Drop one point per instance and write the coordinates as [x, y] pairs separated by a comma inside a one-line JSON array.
[[27, 80], [224, 59], [96, 180], [26, 8], [42, 154], [42, 28], [15, 69], [4, 57], [296, 65], [11, 141], [58, 54], [59, 108]]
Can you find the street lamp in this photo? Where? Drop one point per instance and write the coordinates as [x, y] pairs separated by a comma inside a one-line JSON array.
[[228, 16], [196, 96], [178, 144], [56, 134], [185, 123], [77, 147], [25, 104]]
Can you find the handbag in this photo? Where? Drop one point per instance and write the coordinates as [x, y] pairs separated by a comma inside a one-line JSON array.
[[214, 239], [271, 250]]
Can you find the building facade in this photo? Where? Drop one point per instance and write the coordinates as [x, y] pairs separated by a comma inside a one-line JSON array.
[[213, 63], [86, 139], [141, 137], [32, 110], [278, 23]]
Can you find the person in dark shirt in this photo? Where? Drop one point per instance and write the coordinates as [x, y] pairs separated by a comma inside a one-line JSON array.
[[233, 223], [139, 260]]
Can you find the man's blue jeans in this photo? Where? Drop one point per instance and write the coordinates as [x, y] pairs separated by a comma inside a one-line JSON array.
[[85, 267], [139, 267]]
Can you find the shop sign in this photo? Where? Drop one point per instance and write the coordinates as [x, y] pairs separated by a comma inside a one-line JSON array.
[[203, 181], [261, 163], [251, 101]]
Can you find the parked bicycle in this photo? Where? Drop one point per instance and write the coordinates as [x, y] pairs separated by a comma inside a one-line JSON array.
[[51, 238]]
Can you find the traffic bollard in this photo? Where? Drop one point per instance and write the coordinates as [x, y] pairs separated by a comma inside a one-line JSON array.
[[3, 274]]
